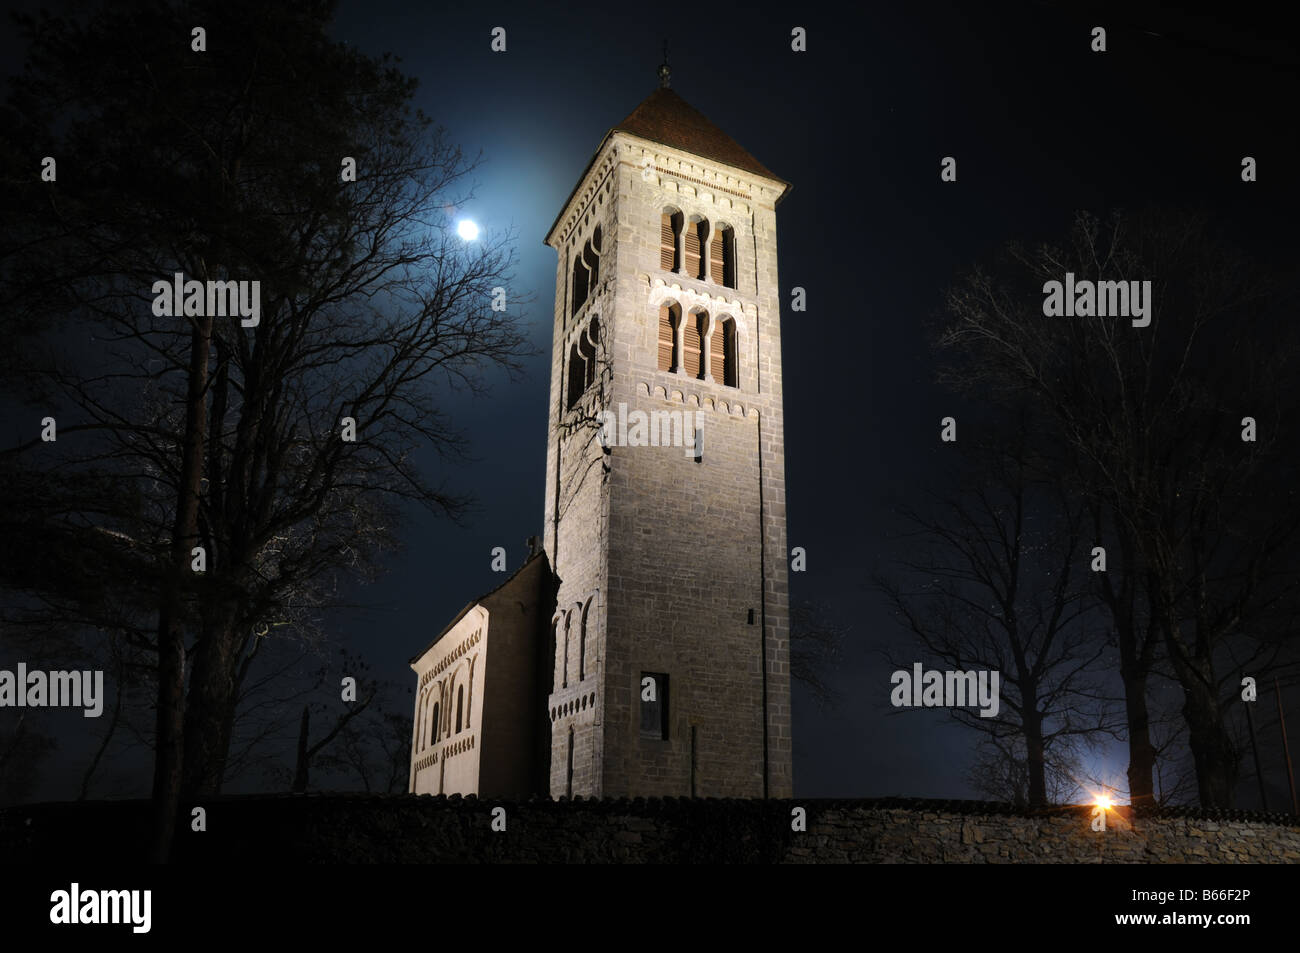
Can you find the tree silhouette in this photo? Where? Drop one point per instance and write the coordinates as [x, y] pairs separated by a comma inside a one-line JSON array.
[[999, 584], [196, 430], [1149, 424]]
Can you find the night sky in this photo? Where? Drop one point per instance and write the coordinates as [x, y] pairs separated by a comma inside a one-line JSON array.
[[1041, 127]]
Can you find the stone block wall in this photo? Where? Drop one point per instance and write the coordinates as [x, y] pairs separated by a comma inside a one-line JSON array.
[[425, 829]]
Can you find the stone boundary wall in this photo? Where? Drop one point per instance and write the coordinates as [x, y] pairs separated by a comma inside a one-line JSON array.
[[421, 829]]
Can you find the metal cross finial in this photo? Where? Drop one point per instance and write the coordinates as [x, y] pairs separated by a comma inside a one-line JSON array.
[[664, 72]]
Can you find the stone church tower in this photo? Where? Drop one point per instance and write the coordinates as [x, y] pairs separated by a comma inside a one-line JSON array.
[[665, 470]]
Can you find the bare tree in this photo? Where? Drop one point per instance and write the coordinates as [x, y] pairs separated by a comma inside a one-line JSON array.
[[1155, 423], [817, 640], [1122, 590], [375, 750], [997, 586], [22, 749], [364, 690], [262, 456], [1001, 772]]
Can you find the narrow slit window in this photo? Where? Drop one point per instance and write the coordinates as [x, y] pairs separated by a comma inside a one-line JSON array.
[[654, 705], [564, 672], [568, 784], [555, 628], [582, 645]]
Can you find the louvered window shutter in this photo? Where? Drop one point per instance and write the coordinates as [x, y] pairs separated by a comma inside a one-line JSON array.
[[693, 365], [667, 244], [718, 354], [667, 341], [717, 259], [692, 250]]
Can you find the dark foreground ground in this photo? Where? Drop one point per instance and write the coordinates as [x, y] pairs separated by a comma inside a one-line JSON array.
[[332, 828]]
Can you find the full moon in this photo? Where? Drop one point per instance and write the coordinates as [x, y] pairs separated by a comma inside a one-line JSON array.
[[467, 230]]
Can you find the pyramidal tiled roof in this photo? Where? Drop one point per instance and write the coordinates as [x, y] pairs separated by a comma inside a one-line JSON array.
[[665, 117]]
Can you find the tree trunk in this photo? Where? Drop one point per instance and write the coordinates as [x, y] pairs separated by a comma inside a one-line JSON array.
[[1035, 756], [1216, 764], [1141, 752], [170, 731], [212, 701], [1211, 747], [1135, 659]]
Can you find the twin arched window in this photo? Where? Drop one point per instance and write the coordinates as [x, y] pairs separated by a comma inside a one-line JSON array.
[[693, 249], [575, 629], [698, 346]]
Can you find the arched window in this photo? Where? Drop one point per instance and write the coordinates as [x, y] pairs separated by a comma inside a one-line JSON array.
[[670, 227], [564, 672], [568, 784], [460, 705], [577, 375], [695, 232], [722, 353], [469, 698], [436, 732], [592, 261], [582, 643], [592, 345], [722, 257], [579, 284], [669, 317], [555, 626], [693, 347]]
